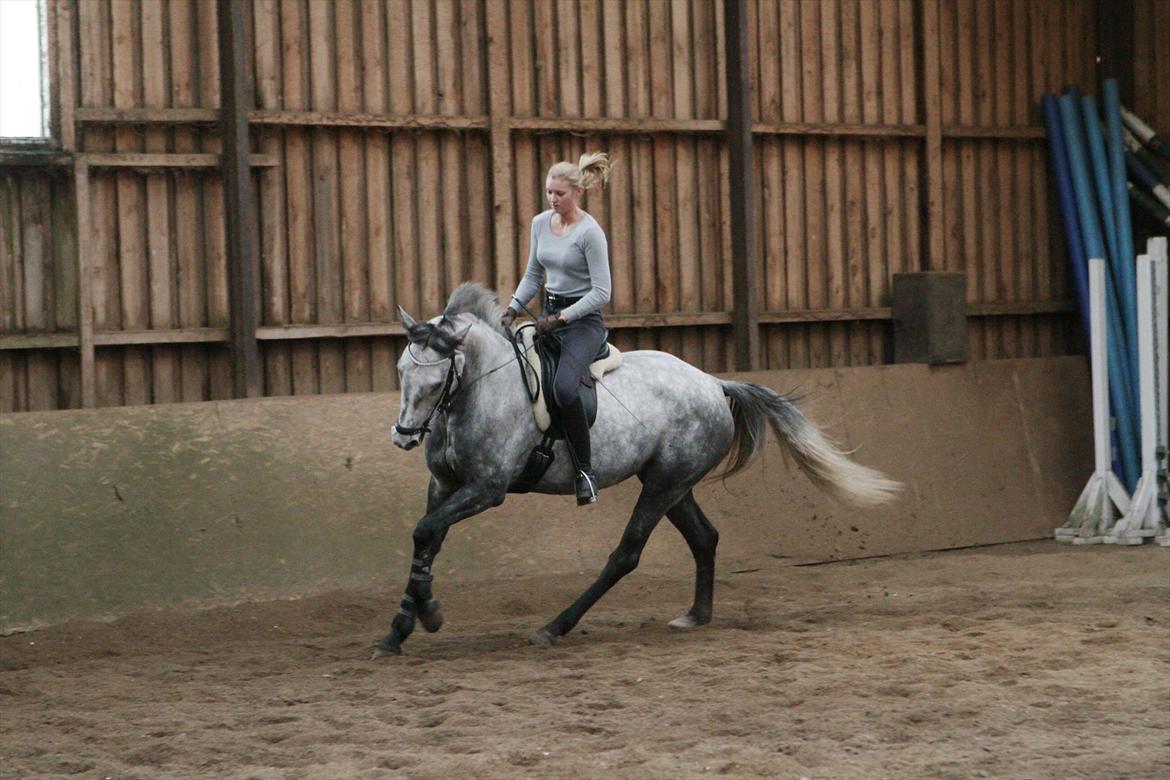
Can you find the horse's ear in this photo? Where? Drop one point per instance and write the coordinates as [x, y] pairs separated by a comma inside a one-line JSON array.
[[407, 320]]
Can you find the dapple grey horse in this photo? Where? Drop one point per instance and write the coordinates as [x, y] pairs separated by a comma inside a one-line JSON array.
[[667, 422]]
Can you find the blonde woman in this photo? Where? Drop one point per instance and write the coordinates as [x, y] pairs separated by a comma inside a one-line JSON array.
[[570, 254]]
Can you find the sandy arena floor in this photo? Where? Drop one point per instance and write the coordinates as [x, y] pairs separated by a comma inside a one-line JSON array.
[[1021, 661]]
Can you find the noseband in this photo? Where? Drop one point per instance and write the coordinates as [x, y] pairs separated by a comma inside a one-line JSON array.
[[445, 397]]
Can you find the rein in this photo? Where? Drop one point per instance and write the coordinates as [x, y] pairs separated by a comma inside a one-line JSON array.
[[448, 396]]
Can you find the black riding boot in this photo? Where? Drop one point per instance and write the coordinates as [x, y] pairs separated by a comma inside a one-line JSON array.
[[577, 437]]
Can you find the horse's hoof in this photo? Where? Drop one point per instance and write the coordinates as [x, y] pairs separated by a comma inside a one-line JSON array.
[[684, 621], [542, 638], [433, 620], [384, 648]]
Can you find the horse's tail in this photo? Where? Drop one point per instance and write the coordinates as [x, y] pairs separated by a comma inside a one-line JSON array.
[[828, 468]]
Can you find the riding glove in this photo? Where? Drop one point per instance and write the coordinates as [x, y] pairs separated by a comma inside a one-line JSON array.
[[509, 317], [548, 323]]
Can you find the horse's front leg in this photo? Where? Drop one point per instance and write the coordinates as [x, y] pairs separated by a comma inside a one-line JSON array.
[[418, 602]]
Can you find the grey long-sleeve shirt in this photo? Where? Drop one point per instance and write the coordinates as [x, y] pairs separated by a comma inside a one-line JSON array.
[[576, 264]]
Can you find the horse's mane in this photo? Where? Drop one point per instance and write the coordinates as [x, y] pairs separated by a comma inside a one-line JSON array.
[[473, 298], [469, 298]]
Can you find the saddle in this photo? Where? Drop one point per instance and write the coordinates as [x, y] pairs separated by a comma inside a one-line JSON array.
[[541, 358]]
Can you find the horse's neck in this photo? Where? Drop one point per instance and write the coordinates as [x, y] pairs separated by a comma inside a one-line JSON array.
[[489, 379]]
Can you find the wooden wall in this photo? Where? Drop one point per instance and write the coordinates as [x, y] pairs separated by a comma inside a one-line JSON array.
[[399, 148]]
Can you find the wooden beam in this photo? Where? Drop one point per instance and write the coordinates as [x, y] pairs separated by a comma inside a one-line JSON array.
[[239, 205], [377, 121], [638, 126], [121, 338], [348, 330], [745, 300], [839, 129], [147, 116], [85, 316], [11, 341], [704, 319], [162, 160], [669, 320], [1008, 133]]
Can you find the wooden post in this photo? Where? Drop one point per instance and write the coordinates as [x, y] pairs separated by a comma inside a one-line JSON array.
[[84, 283], [239, 206], [503, 200], [931, 205], [745, 300]]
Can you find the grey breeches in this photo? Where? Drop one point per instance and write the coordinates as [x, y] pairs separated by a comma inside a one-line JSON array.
[[580, 341]]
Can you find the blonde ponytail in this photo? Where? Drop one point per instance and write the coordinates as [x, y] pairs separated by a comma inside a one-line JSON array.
[[591, 169]]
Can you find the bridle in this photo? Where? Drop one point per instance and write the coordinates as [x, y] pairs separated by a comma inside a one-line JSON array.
[[445, 397]]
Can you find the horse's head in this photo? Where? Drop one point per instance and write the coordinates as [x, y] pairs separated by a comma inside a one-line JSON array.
[[429, 372]]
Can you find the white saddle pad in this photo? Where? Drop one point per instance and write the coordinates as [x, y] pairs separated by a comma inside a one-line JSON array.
[[597, 369]]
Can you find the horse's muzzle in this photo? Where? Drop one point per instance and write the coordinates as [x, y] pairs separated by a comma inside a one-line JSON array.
[[404, 441]]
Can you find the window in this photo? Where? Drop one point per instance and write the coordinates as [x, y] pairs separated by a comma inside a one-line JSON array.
[[24, 79]]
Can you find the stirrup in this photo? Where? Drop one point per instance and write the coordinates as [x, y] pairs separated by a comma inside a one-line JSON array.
[[586, 487]]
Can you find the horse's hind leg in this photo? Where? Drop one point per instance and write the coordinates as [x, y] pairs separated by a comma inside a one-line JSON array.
[[702, 538], [652, 504]]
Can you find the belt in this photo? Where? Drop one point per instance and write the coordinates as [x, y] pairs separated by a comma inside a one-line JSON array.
[[561, 301]]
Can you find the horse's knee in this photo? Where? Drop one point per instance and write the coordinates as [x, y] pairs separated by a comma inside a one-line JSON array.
[[624, 561]]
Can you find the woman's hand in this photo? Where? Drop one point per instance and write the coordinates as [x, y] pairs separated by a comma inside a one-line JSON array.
[[548, 323], [509, 317]]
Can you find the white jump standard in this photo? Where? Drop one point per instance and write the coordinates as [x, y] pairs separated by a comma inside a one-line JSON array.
[[1146, 517], [1093, 515]]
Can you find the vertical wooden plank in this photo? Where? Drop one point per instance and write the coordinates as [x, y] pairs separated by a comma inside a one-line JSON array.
[[547, 80], [895, 208], [133, 275], [638, 81], [592, 57], [377, 192], [35, 249], [811, 69], [325, 194], [795, 338], [854, 183], [771, 193], [164, 368], [450, 161], [354, 256], [706, 75], [614, 61], [871, 84], [81, 196], [686, 263], [189, 271], [475, 174], [835, 175], [739, 141], [621, 245], [568, 57], [66, 45], [506, 230], [932, 209], [274, 356]]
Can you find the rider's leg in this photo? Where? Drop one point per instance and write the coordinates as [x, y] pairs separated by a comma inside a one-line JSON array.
[[580, 342]]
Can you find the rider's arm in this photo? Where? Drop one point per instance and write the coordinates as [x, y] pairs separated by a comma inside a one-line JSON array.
[[530, 283]]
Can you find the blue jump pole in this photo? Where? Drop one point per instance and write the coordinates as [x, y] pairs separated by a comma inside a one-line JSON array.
[[1072, 229], [1123, 225], [1117, 278], [1094, 247]]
